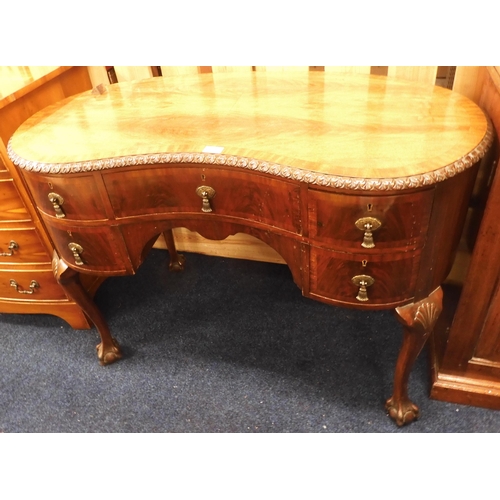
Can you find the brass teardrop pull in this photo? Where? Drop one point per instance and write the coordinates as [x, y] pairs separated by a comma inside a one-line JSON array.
[[57, 200], [368, 225], [206, 193], [77, 251], [363, 281]]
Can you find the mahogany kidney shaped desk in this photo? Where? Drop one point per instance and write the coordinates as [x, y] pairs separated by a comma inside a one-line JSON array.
[[360, 183]]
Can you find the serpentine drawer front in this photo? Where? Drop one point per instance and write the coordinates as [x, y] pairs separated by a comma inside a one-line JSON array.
[[360, 183], [343, 221], [179, 189], [56, 197]]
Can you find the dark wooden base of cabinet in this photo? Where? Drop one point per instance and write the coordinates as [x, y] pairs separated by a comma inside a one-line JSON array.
[[465, 391], [455, 387]]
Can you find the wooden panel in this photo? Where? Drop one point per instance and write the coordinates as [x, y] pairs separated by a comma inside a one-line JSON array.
[[231, 69], [490, 97], [129, 73], [11, 206], [379, 70], [179, 70], [423, 74], [469, 81], [18, 81], [488, 346], [4, 172], [365, 70], [98, 75], [238, 246], [466, 357], [282, 68], [16, 111]]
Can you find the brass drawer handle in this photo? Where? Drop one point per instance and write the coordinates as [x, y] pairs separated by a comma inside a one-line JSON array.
[[12, 246], [206, 193], [77, 251], [362, 281], [368, 225], [57, 200], [34, 284]]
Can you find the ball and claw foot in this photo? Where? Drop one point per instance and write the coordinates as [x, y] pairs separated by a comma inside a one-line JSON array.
[[178, 264], [402, 412], [108, 354]]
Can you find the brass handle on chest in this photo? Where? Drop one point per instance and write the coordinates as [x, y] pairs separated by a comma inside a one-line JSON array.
[[57, 200], [363, 281], [34, 284], [368, 225], [206, 193], [77, 251], [12, 246]]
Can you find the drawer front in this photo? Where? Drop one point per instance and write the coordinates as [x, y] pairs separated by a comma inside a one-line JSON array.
[[22, 246], [30, 285], [95, 249], [173, 190], [69, 197], [394, 276], [339, 220], [11, 205]]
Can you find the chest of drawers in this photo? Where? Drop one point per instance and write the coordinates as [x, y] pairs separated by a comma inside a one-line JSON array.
[[25, 248], [361, 193]]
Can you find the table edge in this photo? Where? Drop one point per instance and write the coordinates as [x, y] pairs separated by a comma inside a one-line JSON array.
[[262, 166]]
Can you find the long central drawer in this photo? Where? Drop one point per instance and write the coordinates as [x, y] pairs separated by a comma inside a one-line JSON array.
[[246, 195]]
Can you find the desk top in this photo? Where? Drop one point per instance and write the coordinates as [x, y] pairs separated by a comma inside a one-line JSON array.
[[360, 131]]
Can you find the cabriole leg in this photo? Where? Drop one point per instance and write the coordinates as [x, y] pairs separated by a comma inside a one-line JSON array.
[[108, 351], [418, 321], [177, 260]]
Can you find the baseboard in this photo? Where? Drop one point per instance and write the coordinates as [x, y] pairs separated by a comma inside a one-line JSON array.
[[465, 390]]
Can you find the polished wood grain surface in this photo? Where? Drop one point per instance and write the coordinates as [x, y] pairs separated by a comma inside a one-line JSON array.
[[357, 126]]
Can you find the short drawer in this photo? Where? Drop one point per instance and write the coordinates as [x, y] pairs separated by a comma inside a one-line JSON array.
[[342, 221], [393, 274], [98, 249], [22, 246], [173, 190], [30, 285], [69, 197]]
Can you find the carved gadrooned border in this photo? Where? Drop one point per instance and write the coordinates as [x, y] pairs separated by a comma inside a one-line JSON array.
[[299, 174]]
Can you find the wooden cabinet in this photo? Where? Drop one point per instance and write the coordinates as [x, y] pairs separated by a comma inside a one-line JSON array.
[[27, 283], [465, 345]]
